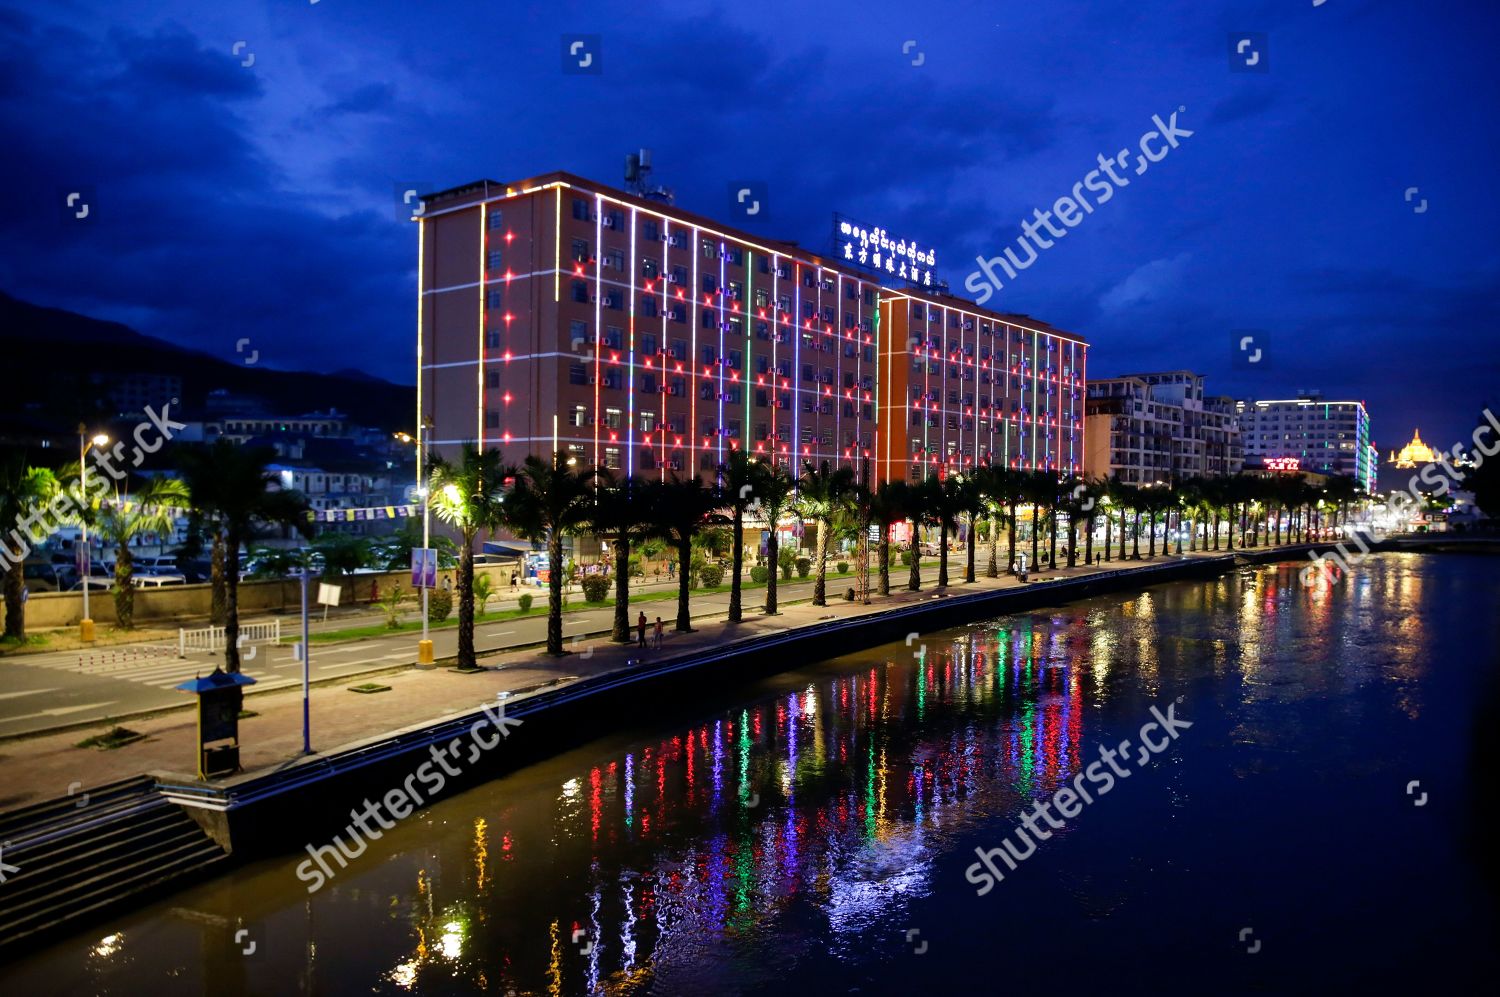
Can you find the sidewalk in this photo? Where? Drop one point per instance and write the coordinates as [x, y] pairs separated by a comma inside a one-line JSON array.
[[46, 766]]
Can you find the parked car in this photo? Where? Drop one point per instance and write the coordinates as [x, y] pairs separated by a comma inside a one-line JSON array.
[[42, 576], [95, 585], [158, 581], [160, 564]]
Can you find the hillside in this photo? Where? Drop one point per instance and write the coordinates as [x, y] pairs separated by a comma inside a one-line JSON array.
[[63, 358]]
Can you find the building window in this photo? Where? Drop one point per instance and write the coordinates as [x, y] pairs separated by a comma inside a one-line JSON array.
[[580, 290], [580, 251], [649, 230], [496, 219], [580, 209], [612, 458], [492, 297], [492, 339], [491, 420], [494, 259], [492, 379], [577, 374]]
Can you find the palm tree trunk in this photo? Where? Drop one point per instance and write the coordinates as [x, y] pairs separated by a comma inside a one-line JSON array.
[[1052, 539], [1010, 568], [1088, 541], [883, 552], [992, 570], [914, 581], [124, 588], [943, 554], [620, 630], [1229, 543], [554, 592], [773, 552], [466, 608], [15, 605], [1072, 543], [1035, 538], [737, 564], [1151, 526], [973, 539], [216, 579], [1108, 520], [232, 601], [684, 561], [820, 572], [1135, 536]]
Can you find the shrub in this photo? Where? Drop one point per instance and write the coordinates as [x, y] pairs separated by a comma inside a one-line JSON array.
[[711, 575], [843, 567], [439, 605], [484, 590], [391, 603], [804, 566], [595, 588], [848, 595], [759, 574], [785, 559], [906, 558], [525, 602]]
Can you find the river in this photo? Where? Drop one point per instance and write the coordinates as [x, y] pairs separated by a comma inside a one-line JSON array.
[[1319, 826]]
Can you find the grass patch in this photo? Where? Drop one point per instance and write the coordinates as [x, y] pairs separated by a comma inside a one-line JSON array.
[[30, 640], [115, 737], [247, 714], [367, 688]]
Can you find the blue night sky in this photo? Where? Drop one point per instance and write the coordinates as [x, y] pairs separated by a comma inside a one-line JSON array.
[[258, 201]]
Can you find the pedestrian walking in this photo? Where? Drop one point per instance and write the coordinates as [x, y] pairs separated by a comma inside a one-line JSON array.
[[640, 629], [658, 633], [514, 579]]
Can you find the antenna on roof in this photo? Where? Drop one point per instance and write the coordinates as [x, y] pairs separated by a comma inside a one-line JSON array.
[[638, 178]]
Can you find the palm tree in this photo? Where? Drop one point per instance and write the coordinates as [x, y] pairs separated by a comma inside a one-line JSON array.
[[919, 513], [232, 488], [23, 490], [969, 502], [888, 505], [1038, 488], [776, 493], [1008, 489], [681, 508], [822, 493], [739, 479], [622, 512], [943, 506], [550, 500], [151, 509]]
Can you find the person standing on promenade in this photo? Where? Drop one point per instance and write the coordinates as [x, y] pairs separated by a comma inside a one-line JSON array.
[[640, 629], [658, 633]]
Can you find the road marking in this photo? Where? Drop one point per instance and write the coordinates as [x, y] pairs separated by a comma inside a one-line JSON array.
[[57, 711], [26, 692]]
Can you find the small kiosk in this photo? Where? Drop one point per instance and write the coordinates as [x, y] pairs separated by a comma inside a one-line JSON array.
[[220, 698]]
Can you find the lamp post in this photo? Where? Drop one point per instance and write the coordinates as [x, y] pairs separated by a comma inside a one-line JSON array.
[[86, 625], [424, 646]]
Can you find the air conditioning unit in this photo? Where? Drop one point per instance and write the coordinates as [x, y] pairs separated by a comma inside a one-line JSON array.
[[674, 464], [592, 379], [609, 221], [676, 390], [672, 279], [609, 301]]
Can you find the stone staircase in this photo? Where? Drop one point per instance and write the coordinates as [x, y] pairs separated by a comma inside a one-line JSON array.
[[78, 856]]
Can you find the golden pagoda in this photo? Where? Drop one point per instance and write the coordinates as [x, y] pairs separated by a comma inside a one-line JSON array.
[[1414, 453]]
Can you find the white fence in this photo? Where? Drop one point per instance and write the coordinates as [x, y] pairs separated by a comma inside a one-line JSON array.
[[212, 638]]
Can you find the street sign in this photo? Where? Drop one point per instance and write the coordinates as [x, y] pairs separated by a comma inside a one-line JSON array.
[[328, 595]]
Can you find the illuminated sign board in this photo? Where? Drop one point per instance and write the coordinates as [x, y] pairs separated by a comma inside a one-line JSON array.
[[873, 248], [1284, 464]]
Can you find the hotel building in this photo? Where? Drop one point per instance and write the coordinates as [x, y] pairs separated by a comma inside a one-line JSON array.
[[559, 314], [1153, 428], [961, 387], [1325, 437]]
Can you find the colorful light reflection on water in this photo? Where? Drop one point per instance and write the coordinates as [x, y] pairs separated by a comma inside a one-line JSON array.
[[810, 826]]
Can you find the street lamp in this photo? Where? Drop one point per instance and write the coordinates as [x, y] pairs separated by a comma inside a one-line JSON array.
[[86, 625], [424, 428]]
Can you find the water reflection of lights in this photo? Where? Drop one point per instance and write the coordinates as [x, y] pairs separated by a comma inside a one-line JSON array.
[[108, 945]]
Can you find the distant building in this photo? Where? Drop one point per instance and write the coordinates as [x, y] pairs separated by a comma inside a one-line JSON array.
[[1414, 454], [1328, 437], [128, 394], [1151, 428]]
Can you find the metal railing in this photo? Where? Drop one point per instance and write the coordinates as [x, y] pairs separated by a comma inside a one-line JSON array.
[[212, 638]]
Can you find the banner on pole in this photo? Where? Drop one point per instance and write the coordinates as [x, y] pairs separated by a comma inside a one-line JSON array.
[[424, 567]]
